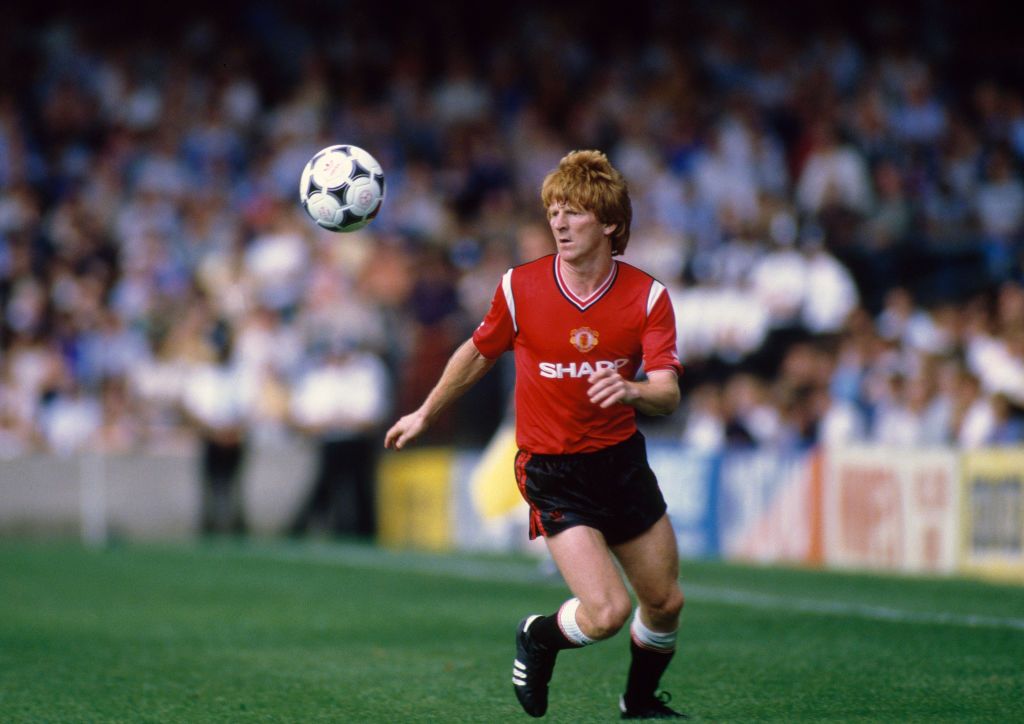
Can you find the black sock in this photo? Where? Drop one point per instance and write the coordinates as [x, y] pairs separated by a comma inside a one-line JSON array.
[[546, 632], [645, 670]]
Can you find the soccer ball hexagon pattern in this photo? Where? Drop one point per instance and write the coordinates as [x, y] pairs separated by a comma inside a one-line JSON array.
[[342, 188]]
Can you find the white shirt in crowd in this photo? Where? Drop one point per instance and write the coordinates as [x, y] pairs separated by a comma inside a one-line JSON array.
[[344, 397], [70, 423], [831, 294], [978, 424], [219, 396], [836, 174]]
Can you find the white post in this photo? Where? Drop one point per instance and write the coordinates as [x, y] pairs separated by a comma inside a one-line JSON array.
[[93, 497]]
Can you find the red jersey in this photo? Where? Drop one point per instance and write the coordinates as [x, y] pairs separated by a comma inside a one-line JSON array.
[[559, 340]]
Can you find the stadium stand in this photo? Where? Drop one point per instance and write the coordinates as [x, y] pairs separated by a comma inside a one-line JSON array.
[[837, 208]]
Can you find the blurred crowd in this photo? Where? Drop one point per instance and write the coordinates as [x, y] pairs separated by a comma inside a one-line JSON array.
[[838, 216]]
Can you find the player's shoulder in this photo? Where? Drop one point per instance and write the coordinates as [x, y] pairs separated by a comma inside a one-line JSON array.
[[535, 269], [534, 266], [636, 276], [628, 270]]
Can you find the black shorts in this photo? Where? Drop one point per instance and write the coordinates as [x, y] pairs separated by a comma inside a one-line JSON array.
[[613, 490]]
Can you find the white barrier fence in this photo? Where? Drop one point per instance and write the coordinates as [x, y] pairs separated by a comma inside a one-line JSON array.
[[152, 496], [932, 511]]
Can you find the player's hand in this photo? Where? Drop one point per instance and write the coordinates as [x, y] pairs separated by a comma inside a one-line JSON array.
[[608, 387], [405, 430]]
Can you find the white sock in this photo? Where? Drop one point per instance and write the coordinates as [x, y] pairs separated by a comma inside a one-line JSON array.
[[567, 622], [656, 640]]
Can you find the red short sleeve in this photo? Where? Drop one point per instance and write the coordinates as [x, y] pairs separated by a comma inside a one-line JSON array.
[[496, 332], [659, 339]]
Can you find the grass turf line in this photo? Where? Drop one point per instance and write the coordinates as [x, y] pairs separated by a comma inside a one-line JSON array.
[[269, 631]]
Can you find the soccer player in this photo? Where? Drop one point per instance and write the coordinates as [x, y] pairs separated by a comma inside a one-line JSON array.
[[580, 325]]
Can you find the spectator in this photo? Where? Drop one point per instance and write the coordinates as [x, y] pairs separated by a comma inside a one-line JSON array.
[[70, 419], [341, 403], [705, 422], [750, 418], [830, 292], [974, 418], [217, 401], [920, 117], [1000, 210], [779, 277], [899, 420], [835, 174], [890, 221], [841, 424]]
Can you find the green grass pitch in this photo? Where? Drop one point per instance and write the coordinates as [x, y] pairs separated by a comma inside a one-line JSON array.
[[265, 631]]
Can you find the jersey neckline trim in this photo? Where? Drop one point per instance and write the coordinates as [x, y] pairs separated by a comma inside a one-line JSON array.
[[578, 302]]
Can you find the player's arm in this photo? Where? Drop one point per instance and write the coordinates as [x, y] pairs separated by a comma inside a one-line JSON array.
[[657, 395], [463, 369]]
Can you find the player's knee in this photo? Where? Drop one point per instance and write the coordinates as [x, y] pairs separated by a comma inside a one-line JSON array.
[[667, 606], [608, 618], [675, 603]]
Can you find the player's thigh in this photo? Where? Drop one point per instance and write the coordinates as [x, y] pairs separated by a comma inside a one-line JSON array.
[[586, 564], [651, 563]]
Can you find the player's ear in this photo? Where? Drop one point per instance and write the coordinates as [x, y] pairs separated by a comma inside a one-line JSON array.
[[609, 229]]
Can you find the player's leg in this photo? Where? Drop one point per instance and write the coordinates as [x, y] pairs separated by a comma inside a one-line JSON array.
[[586, 564], [651, 563], [599, 608]]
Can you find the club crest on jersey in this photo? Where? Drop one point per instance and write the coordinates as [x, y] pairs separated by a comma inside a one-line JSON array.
[[584, 339]]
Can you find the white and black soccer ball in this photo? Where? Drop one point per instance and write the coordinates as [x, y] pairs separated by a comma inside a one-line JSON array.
[[342, 188]]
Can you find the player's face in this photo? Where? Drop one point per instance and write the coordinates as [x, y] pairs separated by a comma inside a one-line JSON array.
[[578, 234]]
